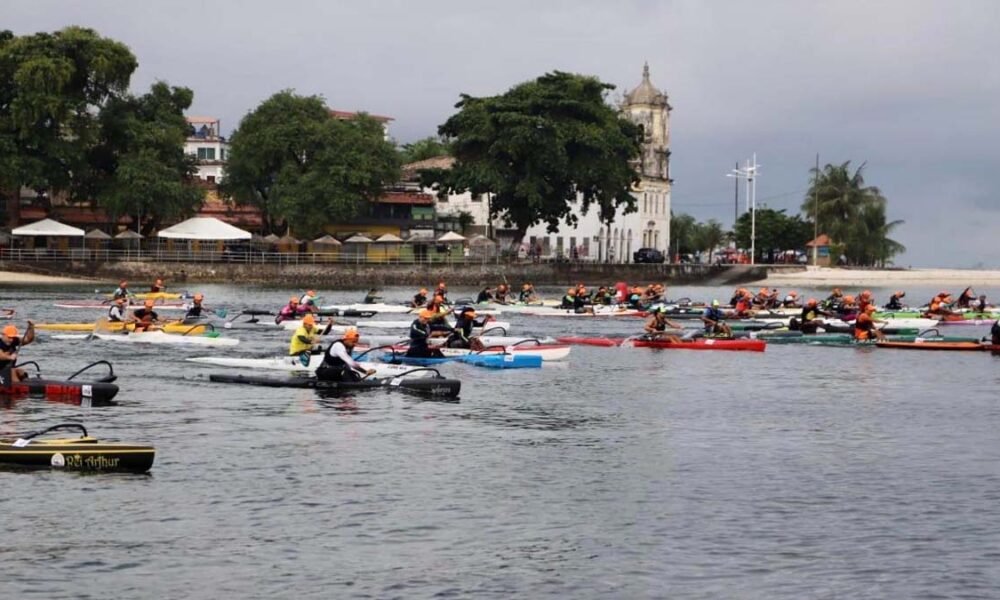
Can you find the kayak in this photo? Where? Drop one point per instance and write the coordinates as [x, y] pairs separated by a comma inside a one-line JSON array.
[[379, 308], [701, 344], [154, 295], [489, 361], [920, 344], [155, 337], [105, 305], [436, 385], [487, 340], [544, 351], [74, 454], [176, 327], [371, 324], [598, 311], [84, 393], [294, 365], [591, 341]]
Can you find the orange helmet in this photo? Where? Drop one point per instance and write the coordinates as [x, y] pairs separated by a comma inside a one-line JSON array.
[[122, 283], [10, 331], [293, 300], [352, 334], [793, 294], [309, 320], [198, 297], [848, 299], [866, 294], [812, 302], [870, 308]]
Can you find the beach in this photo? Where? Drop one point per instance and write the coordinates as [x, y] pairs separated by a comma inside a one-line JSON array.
[[19, 278], [827, 276]]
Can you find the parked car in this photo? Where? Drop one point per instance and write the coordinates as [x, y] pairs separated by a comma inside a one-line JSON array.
[[648, 255]]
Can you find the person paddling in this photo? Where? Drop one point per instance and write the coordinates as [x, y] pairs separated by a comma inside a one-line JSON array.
[[116, 314], [304, 339], [461, 334], [896, 301], [122, 291], [194, 312], [420, 333], [157, 287], [714, 320], [527, 294], [10, 344], [372, 297], [289, 312], [419, 299], [966, 298], [485, 295], [864, 326], [656, 326], [146, 319], [338, 364], [809, 320]]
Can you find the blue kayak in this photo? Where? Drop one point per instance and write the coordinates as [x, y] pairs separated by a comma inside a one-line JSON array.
[[489, 361]]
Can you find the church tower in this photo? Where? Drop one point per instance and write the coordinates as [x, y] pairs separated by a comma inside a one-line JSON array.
[[649, 107]]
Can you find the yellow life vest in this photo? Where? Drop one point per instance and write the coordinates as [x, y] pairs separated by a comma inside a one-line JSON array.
[[297, 346]]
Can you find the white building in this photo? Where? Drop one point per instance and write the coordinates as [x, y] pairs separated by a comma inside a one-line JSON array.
[[345, 115], [209, 147], [649, 226]]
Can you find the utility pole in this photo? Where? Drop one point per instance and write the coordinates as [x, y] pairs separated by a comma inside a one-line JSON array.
[[816, 213], [736, 199], [749, 175]]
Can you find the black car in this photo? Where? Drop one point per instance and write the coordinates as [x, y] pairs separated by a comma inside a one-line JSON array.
[[648, 255]]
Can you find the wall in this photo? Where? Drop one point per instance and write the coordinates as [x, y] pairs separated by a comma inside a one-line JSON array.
[[362, 276]]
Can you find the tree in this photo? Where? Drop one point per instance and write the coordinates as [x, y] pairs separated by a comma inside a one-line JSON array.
[[851, 213], [775, 231], [304, 169], [683, 233], [540, 149], [422, 149], [52, 88], [145, 171], [710, 236]]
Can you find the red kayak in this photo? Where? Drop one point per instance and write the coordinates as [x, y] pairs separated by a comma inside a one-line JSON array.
[[922, 345], [702, 344], [591, 341]]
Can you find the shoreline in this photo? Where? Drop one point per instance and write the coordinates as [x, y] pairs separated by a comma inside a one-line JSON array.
[[22, 277], [829, 276]]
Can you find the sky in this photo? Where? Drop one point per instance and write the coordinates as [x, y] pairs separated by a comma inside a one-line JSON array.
[[910, 88]]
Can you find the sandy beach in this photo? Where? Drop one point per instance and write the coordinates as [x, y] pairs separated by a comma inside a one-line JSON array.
[[826, 276], [19, 278]]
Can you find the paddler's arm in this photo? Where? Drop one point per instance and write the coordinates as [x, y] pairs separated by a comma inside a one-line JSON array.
[[29, 335]]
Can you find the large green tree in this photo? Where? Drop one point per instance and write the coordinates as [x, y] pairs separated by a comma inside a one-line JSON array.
[[708, 236], [775, 232], [52, 89], [302, 168], [852, 214], [145, 172], [540, 149]]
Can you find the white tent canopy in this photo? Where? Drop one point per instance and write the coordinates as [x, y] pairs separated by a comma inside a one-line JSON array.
[[204, 228], [48, 227], [358, 239], [128, 234], [96, 234], [388, 238], [451, 236], [328, 240], [270, 238]]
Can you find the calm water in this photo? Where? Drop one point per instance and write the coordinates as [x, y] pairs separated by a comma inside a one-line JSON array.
[[802, 472]]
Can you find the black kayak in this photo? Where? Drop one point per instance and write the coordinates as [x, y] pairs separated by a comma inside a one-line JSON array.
[[440, 387], [350, 312], [84, 453], [83, 393]]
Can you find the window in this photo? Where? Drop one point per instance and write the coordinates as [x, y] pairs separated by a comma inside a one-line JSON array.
[[210, 178], [477, 197], [222, 154], [206, 153]]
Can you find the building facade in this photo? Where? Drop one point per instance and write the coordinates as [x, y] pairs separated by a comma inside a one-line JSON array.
[[208, 146]]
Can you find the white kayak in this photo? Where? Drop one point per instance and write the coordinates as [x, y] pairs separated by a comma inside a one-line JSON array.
[[400, 309], [487, 340], [597, 311], [293, 364], [548, 352], [153, 337], [372, 324]]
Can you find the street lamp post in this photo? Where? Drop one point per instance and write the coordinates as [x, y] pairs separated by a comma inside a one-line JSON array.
[[749, 175]]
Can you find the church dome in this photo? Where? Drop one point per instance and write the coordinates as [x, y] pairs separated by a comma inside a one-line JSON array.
[[645, 92]]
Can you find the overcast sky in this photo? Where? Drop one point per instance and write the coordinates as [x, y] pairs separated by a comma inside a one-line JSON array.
[[912, 87]]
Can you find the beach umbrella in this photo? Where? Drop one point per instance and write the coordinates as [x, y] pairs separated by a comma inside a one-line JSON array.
[[358, 239], [96, 234], [271, 238], [326, 240], [128, 234], [451, 236], [388, 238]]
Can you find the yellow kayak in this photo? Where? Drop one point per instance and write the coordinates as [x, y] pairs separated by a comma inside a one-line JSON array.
[[175, 327], [153, 296]]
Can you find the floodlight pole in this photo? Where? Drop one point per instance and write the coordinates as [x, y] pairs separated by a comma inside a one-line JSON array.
[[749, 174]]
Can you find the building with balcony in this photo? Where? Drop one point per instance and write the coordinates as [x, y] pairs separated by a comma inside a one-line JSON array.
[[343, 115], [208, 146]]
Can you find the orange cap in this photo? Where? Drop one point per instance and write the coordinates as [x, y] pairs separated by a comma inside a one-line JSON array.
[[848, 299], [10, 331], [870, 308], [351, 334], [793, 294], [309, 320], [866, 293], [812, 302]]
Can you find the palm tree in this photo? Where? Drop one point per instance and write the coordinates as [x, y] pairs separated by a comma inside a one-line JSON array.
[[851, 213], [712, 236]]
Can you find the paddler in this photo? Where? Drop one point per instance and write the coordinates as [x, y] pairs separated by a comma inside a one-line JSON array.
[[438, 307], [501, 295], [372, 297], [194, 311], [715, 320], [938, 306], [527, 294], [290, 311], [865, 299], [634, 300], [307, 303], [657, 325], [896, 301], [744, 306], [602, 297], [419, 299], [791, 300], [995, 333], [834, 300], [809, 320], [485, 295], [10, 345], [116, 314], [980, 305], [461, 333], [569, 300], [338, 364], [305, 339], [737, 296], [864, 326], [122, 291], [157, 287], [420, 333], [442, 290], [146, 318], [848, 309]]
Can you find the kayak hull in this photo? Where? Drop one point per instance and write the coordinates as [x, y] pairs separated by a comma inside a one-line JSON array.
[[154, 337], [85, 454], [438, 387], [116, 327], [488, 361], [703, 344], [292, 364], [75, 392], [939, 346]]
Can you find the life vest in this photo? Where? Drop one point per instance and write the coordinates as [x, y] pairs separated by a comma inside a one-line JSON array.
[[333, 361], [115, 314], [297, 346]]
